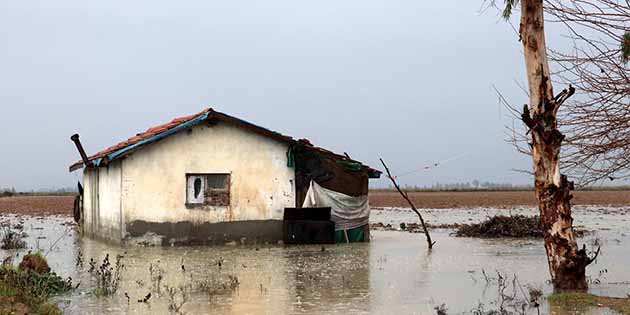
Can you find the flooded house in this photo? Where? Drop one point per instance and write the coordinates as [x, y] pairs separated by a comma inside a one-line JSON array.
[[213, 178]]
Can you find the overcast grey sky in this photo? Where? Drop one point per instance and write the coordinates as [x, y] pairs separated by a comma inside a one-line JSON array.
[[410, 81]]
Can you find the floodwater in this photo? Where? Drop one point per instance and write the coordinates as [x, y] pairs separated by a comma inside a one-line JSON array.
[[393, 274]]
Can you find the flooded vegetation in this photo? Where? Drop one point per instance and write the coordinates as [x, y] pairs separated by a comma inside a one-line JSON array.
[[394, 273], [27, 288]]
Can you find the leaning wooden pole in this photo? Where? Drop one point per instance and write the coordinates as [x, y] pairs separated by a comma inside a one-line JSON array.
[[413, 207]]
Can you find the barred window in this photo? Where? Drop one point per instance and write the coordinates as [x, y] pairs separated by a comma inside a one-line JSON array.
[[208, 189]]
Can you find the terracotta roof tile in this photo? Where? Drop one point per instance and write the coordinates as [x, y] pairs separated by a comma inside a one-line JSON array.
[[146, 134], [177, 121]]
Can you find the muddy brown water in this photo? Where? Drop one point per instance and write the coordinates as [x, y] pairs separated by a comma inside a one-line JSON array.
[[393, 274]]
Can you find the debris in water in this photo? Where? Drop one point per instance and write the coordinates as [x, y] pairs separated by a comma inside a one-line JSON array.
[[146, 298], [503, 226], [441, 309]]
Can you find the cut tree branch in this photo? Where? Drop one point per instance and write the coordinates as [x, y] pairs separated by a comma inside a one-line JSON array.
[[413, 207]]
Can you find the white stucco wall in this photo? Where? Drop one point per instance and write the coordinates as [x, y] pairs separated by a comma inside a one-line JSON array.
[[101, 201], [261, 184]]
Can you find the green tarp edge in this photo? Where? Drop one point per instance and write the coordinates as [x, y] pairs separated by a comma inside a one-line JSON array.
[[353, 235], [290, 157], [355, 166]]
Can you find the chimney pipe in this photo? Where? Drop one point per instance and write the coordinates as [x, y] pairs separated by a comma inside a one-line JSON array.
[[75, 139]]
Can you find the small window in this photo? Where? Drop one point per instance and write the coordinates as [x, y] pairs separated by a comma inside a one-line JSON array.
[[208, 189]]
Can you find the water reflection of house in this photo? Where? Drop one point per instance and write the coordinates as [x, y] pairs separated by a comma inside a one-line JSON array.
[[211, 177]]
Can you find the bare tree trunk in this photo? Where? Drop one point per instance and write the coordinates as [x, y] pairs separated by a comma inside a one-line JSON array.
[[567, 263]]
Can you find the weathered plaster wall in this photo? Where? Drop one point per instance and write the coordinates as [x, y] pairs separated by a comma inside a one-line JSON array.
[[154, 178], [90, 201], [102, 201]]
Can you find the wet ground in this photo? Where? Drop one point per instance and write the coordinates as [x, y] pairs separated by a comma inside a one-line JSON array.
[[392, 274]]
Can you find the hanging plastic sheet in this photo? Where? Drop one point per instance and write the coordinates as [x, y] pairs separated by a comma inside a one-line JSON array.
[[347, 212]]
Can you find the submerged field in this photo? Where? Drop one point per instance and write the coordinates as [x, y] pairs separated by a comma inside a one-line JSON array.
[[394, 273]]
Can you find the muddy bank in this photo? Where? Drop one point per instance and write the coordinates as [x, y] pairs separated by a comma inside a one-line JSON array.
[[497, 199]]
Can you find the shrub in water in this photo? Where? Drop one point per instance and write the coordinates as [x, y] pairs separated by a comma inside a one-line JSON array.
[[11, 239], [107, 277]]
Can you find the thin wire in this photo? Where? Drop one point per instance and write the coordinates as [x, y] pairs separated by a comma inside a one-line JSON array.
[[431, 166]]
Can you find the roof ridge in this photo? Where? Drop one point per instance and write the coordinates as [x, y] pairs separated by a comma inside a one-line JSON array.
[[160, 131], [152, 130]]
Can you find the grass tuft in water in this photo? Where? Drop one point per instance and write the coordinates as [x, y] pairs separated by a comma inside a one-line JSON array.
[[580, 300], [12, 239]]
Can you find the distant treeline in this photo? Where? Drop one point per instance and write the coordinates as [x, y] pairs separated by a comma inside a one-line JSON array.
[[10, 192], [486, 186]]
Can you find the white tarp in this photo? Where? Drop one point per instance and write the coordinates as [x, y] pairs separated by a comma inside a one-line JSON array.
[[347, 212]]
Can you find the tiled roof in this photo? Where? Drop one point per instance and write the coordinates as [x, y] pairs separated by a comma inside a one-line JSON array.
[[164, 130], [148, 133]]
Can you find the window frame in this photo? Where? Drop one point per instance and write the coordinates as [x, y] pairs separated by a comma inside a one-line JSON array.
[[207, 203]]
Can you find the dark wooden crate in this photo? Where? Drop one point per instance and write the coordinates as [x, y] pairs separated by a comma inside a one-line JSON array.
[[313, 214], [308, 232]]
